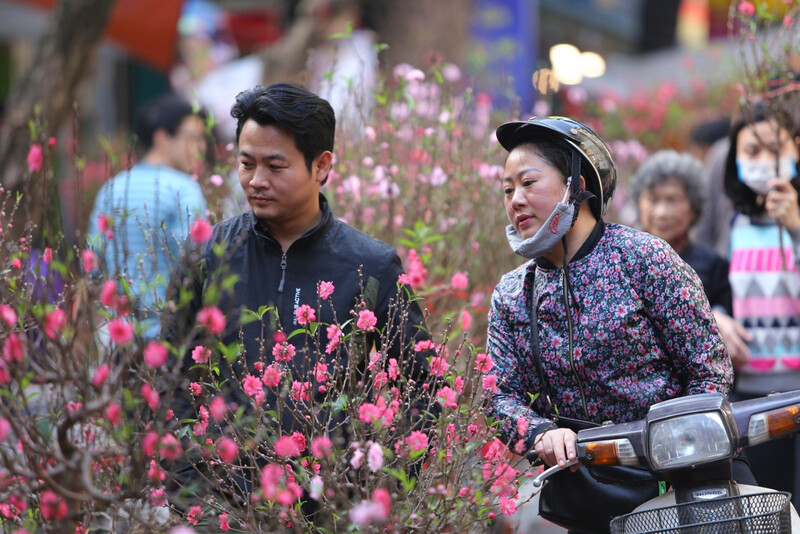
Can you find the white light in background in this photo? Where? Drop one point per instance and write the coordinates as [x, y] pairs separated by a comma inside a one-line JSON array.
[[592, 64], [570, 66]]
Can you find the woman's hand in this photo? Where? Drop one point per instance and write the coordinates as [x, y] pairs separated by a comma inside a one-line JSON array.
[[735, 337], [781, 203], [557, 446]]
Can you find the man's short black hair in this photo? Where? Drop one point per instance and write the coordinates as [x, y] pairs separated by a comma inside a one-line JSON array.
[[305, 116], [166, 112]]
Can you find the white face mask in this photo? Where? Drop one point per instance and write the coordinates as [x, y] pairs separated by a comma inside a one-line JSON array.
[[548, 236], [756, 174]]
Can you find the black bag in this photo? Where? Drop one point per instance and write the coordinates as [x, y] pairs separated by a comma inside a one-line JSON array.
[[580, 502], [587, 500]]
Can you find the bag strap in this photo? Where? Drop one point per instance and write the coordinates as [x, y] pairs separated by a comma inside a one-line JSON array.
[[537, 357]]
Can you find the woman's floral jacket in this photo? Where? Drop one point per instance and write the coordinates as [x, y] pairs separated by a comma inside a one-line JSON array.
[[639, 331]]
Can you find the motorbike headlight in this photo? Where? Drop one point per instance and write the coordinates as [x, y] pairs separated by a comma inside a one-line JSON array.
[[689, 439]]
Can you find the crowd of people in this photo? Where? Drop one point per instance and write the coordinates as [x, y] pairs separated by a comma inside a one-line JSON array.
[[601, 322]]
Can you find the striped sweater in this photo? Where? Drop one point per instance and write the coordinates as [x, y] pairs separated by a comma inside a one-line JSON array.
[[765, 281]]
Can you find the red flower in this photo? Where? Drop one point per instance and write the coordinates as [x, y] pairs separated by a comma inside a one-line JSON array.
[[113, 413], [287, 446], [155, 354], [212, 319], [746, 9], [120, 331], [366, 320], [227, 449], [201, 231], [35, 158], [305, 314], [325, 290], [100, 375], [272, 376], [321, 447], [52, 506]]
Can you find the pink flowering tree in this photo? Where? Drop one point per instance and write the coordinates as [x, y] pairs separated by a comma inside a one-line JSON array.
[[92, 435]]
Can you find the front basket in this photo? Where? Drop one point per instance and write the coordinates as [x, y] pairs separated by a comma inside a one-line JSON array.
[[759, 513]]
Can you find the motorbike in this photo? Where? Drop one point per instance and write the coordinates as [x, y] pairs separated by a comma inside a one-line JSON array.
[[690, 442]]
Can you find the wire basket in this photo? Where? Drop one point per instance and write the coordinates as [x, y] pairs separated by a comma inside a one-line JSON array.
[[759, 513]]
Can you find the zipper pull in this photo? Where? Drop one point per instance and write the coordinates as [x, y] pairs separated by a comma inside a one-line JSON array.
[[283, 273]]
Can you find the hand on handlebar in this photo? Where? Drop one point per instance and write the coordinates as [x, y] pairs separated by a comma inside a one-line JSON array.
[[557, 447]]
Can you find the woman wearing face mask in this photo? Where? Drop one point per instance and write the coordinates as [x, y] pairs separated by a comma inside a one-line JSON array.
[[668, 193], [605, 320], [761, 180]]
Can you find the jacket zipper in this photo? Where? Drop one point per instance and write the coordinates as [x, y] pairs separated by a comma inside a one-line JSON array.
[[571, 357], [283, 273]]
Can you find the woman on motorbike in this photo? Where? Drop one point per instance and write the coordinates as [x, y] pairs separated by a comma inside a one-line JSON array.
[[620, 322]]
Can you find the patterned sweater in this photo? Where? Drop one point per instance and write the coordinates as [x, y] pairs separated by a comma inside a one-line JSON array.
[[640, 331], [766, 301]]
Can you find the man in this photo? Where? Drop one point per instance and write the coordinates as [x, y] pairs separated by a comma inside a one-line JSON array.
[[285, 250], [142, 215]]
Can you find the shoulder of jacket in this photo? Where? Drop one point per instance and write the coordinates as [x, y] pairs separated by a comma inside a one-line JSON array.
[[361, 246]]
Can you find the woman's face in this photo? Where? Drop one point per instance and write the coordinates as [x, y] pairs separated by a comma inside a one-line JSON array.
[[531, 189], [665, 212], [763, 141]]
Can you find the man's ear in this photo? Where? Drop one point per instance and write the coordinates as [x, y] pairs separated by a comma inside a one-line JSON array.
[[322, 166]]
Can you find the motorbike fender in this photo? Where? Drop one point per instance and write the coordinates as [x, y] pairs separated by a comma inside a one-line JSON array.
[[668, 499]]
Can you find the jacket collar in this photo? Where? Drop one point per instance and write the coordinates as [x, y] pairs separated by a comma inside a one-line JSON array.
[[583, 251], [258, 227]]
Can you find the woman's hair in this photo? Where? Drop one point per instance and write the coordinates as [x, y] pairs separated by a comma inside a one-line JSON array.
[[670, 165], [556, 153], [744, 199]]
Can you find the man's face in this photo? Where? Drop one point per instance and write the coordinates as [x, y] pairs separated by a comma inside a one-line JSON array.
[[273, 174], [187, 148]]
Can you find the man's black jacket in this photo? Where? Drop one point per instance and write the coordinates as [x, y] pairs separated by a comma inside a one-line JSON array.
[[357, 265]]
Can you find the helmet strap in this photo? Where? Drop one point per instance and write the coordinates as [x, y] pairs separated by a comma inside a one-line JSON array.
[[578, 194]]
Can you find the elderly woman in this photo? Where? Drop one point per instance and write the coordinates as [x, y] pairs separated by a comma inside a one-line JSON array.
[[669, 195]]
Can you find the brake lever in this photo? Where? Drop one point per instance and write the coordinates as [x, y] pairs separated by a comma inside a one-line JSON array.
[[539, 480]]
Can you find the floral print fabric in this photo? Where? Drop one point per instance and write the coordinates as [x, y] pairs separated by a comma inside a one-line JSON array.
[[641, 331]]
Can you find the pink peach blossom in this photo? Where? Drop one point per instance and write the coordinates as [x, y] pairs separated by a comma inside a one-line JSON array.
[[483, 362], [100, 375], [325, 290], [227, 449], [150, 396], [200, 354], [272, 376], [113, 413], [287, 446], [283, 352], [155, 354], [366, 320], [13, 349], [201, 231], [218, 408], [120, 331], [35, 158], [108, 294], [52, 506], [89, 260], [53, 322], [212, 320], [448, 397], [321, 446], [305, 314], [8, 314]]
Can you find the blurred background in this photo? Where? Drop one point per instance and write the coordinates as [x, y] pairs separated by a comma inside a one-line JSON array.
[[148, 47]]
